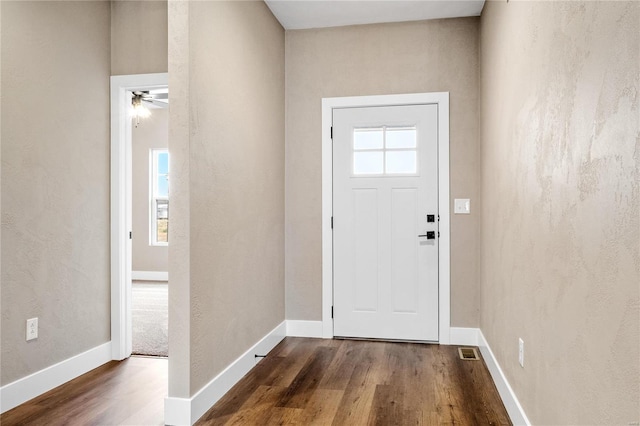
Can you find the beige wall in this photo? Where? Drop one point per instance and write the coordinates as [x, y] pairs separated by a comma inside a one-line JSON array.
[[427, 56], [560, 224], [180, 247], [151, 133], [1, 183], [139, 36], [55, 181], [227, 133]]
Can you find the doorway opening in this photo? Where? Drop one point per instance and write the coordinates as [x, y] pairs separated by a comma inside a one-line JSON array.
[[150, 225], [146, 93]]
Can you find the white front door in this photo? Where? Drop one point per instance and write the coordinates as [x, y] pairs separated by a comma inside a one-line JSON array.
[[385, 222]]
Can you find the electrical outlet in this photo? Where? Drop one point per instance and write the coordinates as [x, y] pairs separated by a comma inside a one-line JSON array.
[[32, 329], [521, 352]]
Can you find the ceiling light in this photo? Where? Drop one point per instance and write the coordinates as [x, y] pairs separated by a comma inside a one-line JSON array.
[[139, 110]]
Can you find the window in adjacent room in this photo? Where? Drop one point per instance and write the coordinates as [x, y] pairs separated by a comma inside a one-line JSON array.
[[159, 197]]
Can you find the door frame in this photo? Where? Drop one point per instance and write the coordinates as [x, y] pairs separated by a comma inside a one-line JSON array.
[[121, 206], [444, 265]]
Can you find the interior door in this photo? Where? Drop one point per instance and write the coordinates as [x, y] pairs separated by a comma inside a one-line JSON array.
[[385, 222]]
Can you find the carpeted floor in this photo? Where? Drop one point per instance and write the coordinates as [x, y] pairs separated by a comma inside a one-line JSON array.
[[150, 318]]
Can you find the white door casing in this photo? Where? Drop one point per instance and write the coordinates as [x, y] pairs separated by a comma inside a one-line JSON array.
[[328, 105], [385, 278]]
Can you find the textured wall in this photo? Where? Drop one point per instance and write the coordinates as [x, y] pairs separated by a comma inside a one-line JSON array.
[[231, 98], [55, 181], [151, 133], [560, 223], [179, 249], [427, 56], [139, 32]]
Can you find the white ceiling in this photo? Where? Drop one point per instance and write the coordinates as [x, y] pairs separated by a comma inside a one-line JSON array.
[[301, 14]]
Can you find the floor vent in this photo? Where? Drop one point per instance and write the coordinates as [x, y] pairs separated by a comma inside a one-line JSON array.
[[468, 354]]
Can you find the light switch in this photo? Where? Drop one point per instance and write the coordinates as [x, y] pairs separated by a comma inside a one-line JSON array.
[[461, 206]]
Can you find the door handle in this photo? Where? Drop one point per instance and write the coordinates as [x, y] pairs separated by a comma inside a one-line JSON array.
[[431, 235]]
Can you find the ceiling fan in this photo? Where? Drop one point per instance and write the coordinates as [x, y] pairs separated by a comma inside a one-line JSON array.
[[143, 100], [158, 98]]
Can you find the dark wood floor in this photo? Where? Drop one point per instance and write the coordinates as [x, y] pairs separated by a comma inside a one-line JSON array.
[[346, 382], [301, 382], [129, 392]]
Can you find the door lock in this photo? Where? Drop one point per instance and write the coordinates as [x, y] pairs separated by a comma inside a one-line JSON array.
[[431, 235]]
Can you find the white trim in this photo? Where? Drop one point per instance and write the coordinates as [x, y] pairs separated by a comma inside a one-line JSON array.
[[121, 86], [150, 275], [304, 328], [22, 390], [328, 104], [327, 213], [183, 411], [464, 336], [509, 398], [177, 411]]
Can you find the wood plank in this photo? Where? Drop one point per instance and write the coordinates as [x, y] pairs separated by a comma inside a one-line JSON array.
[[22, 414], [283, 416], [449, 404], [256, 409], [292, 363], [478, 391], [355, 405], [339, 372], [242, 391], [371, 368], [301, 389], [388, 407], [321, 408], [150, 414]]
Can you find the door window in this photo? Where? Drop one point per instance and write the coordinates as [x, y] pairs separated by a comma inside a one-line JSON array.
[[384, 151]]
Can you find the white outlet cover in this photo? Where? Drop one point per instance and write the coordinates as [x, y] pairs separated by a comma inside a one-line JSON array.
[[521, 352], [32, 329], [461, 206]]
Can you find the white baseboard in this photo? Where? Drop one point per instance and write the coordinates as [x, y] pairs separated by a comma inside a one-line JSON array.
[[186, 411], [177, 411], [150, 275], [304, 328], [22, 390], [511, 403], [463, 336], [458, 335]]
